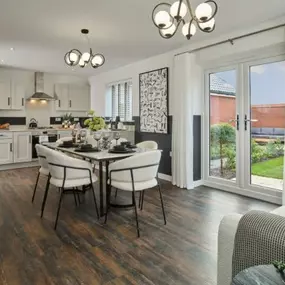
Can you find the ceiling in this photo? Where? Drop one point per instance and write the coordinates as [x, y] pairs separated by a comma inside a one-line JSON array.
[[42, 31]]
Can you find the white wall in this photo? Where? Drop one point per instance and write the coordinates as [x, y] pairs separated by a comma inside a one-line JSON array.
[[245, 49], [39, 111]]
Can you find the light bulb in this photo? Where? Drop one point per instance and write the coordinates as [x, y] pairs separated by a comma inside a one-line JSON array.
[[174, 10], [185, 30], [167, 33], [86, 56], [97, 60], [207, 26], [73, 57], [162, 19], [203, 12]]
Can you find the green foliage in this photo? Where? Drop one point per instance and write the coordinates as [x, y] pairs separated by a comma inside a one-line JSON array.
[[272, 168], [275, 148], [230, 152], [257, 152], [279, 265], [67, 117], [94, 123]]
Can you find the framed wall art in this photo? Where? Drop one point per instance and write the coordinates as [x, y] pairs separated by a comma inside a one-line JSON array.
[[153, 92]]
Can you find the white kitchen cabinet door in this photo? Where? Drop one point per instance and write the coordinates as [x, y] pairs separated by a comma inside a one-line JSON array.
[[5, 94], [22, 147], [79, 98], [6, 151], [61, 91], [64, 134], [18, 97]]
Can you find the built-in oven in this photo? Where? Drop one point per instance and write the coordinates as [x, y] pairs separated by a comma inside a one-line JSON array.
[[36, 137]]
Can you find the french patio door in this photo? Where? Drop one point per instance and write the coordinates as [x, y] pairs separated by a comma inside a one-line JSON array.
[[245, 128]]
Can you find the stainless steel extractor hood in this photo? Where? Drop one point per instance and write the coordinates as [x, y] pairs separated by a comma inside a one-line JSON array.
[[39, 89]]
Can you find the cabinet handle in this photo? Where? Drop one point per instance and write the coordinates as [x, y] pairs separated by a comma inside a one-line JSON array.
[[8, 101], [58, 103], [23, 102], [11, 147], [30, 139], [70, 103]]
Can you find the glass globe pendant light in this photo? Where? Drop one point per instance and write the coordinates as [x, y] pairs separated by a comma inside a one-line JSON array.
[[168, 17], [75, 57]]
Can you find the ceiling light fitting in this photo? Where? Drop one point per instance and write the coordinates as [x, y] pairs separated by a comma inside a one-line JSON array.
[[75, 57], [167, 18]]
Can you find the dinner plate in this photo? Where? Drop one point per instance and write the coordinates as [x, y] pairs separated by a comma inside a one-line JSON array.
[[94, 149], [121, 151]]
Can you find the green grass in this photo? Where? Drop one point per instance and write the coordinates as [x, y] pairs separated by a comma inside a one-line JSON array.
[[272, 168]]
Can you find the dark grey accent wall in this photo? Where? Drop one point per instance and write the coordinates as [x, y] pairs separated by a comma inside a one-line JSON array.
[[20, 121], [197, 149], [163, 141]]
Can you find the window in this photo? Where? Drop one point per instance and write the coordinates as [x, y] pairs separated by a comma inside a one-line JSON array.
[[119, 100]]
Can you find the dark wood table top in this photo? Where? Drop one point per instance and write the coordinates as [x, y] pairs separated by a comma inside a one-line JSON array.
[[258, 275]]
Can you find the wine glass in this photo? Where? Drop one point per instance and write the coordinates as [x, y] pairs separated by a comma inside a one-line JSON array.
[[117, 136], [97, 137], [83, 135], [106, 137]]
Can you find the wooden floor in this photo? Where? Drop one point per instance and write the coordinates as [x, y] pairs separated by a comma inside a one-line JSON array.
[[85, 251]]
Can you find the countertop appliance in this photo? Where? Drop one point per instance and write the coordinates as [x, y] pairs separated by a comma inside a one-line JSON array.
[[33, 123], [37, 133]]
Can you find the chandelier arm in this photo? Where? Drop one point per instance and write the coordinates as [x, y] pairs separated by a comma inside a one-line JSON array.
[[153, 11], [190, 9], [169, 37], [214, 14], [179, 8]]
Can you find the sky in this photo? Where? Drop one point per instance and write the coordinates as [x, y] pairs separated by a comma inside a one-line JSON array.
[[267, 82]]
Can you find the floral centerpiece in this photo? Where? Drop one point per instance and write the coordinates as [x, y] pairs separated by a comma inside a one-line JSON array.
[[94, 123]]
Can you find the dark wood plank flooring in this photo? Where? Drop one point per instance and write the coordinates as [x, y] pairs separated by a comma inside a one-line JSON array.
[[85, 251]]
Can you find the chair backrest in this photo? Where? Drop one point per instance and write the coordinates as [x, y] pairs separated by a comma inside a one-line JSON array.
[[60, 141], [148, 145], [41, 152], [113, 142], [143, 160]]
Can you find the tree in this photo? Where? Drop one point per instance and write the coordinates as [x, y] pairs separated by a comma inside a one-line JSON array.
[[223, 135]]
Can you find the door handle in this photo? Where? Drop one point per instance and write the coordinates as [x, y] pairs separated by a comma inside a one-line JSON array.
[[8, 101], [11, 147], [246, 120], [236, 121]]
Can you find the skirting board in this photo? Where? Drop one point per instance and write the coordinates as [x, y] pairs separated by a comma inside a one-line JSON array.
[[19, 165]]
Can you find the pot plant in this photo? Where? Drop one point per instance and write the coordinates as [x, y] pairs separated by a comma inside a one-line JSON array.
[[94, 123], [67, 120]]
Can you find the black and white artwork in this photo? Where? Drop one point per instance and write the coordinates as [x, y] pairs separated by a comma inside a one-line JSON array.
[[154, 101]]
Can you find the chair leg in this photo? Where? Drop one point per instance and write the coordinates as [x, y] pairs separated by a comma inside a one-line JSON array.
[[95, 201], [45, 197], [116, 193], [141, 200], [59, 206], [36, 185], [136, 212], [74, 195], [162, 205], [108, 193]]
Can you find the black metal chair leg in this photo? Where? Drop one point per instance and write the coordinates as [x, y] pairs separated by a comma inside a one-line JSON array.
[[74, 195], [45, 197], [142, 199], [95, 201], [162, 205], [108, 193], [116, 193], [59, 206], [35, 189], [136, 211]]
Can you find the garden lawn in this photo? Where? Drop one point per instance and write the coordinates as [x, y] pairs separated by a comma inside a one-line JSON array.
[[272, 168]]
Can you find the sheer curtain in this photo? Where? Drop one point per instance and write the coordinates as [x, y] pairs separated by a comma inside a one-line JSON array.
[[187, 87], [283, 194]]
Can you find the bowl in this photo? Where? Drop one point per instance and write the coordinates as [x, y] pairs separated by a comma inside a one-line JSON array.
[[126, 144], [119, 147], [86, 146]]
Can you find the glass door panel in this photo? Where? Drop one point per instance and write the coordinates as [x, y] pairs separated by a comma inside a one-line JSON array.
[[222, 124], [266, 123]]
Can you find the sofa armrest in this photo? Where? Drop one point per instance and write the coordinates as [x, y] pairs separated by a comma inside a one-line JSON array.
[[226, 239]]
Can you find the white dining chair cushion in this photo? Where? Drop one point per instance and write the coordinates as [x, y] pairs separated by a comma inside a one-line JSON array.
[[61, 159], [66, 139], [41, 151], [140, 175], [148, 145], [113, 142], [72, 182], [139, 186]]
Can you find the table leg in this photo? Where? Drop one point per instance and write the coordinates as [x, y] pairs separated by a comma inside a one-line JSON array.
[[106, 180], [101, 189]]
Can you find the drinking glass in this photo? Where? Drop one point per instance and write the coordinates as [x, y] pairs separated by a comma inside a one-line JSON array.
[[117, 136], [97, 137]]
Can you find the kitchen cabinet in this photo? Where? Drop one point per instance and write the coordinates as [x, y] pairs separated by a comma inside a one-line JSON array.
[[22, 146], [12, 95], [6, 148], [64, 134], [72, 97]]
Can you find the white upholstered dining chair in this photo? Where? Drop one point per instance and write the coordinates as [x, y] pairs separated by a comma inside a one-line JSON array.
[[68, 173], [148, 145], [135, 174], [43, 170]]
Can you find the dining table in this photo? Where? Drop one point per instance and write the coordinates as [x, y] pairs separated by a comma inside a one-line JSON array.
[[103, 157]]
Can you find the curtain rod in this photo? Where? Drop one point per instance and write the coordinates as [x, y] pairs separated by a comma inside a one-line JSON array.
[[231, 40]]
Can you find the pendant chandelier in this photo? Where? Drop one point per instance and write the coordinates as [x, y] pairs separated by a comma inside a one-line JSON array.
[[75, 57], [167, 18]]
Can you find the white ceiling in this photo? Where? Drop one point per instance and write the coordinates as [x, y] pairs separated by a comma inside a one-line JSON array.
[[42, 31]]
